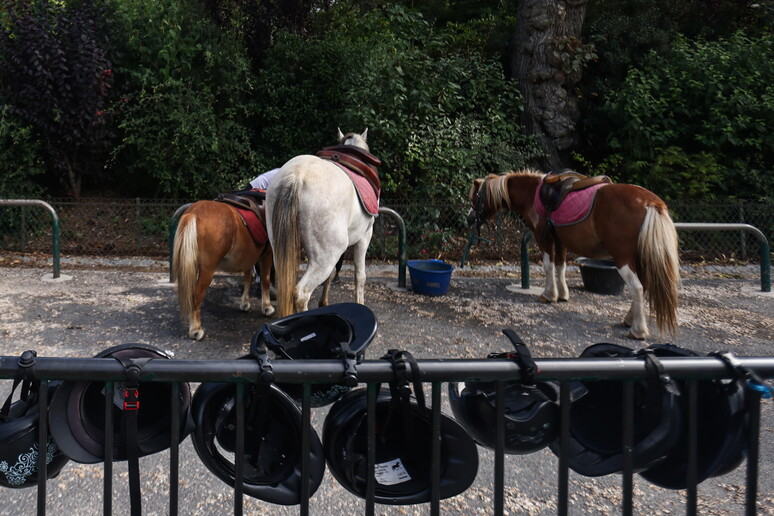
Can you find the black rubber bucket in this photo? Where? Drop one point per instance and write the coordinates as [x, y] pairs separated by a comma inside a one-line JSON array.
[[600, 276]]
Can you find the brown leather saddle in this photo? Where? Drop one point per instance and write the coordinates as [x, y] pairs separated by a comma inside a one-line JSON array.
[[251, 200], [557, 184], [357, 160]]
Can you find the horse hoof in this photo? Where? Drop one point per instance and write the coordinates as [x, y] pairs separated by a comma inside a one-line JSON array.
[[563, 299], [197, 335], [245, 307], [544, 299], [632, 336], [268, 311]]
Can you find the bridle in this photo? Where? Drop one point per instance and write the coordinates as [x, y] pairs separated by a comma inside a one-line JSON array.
[[478, 210]]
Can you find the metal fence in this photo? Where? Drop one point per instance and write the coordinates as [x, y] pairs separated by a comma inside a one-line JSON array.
[[139, 227], [434, 372]]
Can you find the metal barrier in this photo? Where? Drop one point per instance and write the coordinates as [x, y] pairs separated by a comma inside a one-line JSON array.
[[435, 372], [54, 224], [764, 251], [402, 259]]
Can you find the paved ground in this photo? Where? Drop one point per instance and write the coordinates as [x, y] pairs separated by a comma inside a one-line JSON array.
[[97, 308]]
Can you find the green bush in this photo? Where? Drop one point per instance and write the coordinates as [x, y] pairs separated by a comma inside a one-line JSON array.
[[704, 114], [21, 159], [188, 94]]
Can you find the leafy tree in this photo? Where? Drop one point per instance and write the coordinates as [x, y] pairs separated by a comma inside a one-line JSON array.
[[55, 75], [438, 113], [21, 158], [187, 95]]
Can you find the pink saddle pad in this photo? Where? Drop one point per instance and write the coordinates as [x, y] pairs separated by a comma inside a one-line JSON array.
[[369, 198], [254, 226], [575, 207]]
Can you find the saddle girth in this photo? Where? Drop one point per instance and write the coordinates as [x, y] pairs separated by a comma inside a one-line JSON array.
[[355, 159]]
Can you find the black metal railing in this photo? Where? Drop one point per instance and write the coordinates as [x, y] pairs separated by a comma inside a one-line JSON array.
[[374, 372]]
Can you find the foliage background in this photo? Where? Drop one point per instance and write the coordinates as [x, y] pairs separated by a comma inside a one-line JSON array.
[[187, 98]]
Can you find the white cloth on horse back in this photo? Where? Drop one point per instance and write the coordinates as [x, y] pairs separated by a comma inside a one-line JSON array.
[[264, 179]]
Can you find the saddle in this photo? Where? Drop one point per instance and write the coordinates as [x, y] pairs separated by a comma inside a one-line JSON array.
[[557, 184], [357, 160], [250, 200]]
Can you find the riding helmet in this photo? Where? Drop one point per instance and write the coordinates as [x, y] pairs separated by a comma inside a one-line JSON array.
[[272, 443], [339, 331], [77, 411], [403, 450], [722, 429], [19, 429], [531, 411], [595, 445]]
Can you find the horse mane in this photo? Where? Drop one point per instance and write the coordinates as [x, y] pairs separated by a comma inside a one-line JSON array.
[[496, 191]]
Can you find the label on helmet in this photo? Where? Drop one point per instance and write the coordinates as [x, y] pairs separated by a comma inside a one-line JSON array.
[[391, 473], [307, 337]]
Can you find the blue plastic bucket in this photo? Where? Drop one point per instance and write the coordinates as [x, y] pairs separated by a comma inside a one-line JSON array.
[[430, 277]]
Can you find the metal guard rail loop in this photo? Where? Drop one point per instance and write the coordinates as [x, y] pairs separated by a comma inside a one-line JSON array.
[[54, 224], [764, 250]]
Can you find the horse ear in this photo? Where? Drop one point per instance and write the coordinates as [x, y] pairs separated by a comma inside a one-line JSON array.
[[364, 136], [341, 135]]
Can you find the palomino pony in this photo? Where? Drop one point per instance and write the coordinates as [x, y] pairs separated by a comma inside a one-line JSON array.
[[628, 223], [211, 236], [313, 205]]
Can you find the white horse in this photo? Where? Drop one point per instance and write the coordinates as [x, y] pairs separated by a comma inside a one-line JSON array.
[[312, 205]]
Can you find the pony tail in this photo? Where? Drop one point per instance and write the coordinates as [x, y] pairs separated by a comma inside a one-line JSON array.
[[185, 263], [660, 266], [286, 244]]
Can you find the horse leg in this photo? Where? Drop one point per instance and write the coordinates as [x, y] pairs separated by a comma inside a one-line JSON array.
[[635, 318], [359, 256], [563, 293], [326, 288], [316, 273], [265, 272], [195, 330], [244, 302], [549, 294]]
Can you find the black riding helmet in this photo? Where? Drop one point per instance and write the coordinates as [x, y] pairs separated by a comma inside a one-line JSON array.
[[722, 431], [531, 411], [77, 412], [403, 454], [595, 445], [19, 430], [272, 452], [339, 331]]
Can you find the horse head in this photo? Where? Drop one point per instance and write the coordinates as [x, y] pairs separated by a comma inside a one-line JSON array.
[[483, 205], [358, 140]]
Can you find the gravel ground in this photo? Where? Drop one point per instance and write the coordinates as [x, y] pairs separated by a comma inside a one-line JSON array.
[[97, 308]]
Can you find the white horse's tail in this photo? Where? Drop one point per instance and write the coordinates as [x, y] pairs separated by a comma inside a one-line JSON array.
[[659, 267], [185, 263], [287, 243]]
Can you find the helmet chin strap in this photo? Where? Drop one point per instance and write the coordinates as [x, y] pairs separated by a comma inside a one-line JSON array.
[[131, 408]]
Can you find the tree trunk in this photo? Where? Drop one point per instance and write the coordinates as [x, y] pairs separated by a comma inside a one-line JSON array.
[[547, 74]]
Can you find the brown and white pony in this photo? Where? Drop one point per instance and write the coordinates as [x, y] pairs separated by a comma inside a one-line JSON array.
[[627, 223], [211, 236]]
